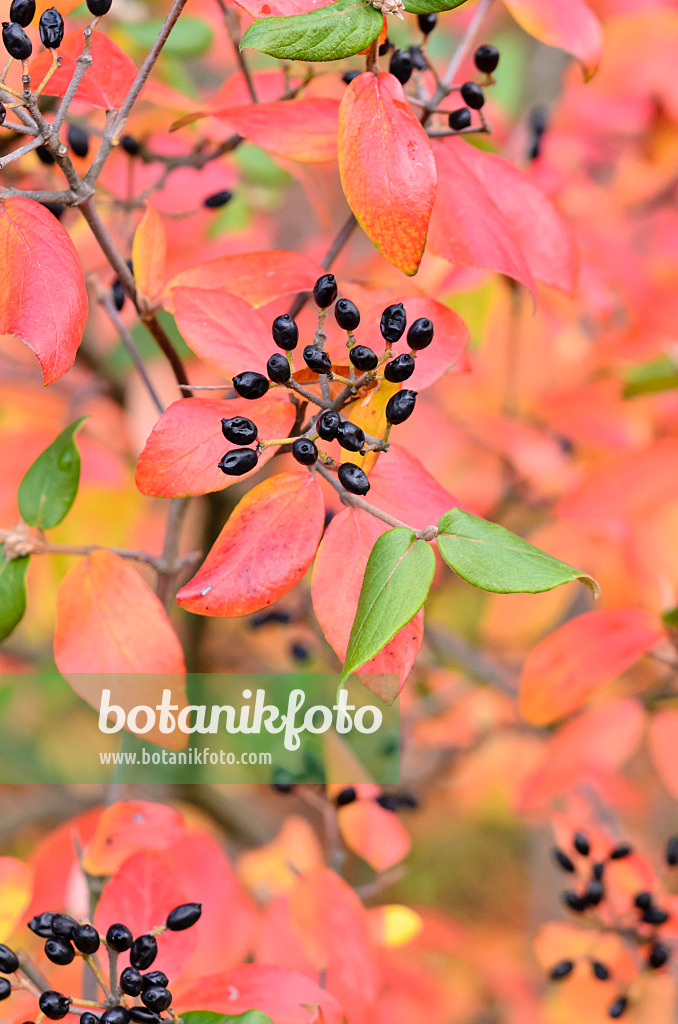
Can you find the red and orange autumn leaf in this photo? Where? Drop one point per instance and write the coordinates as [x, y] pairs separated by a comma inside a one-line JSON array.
[[127, 828], [569, 25], [375, 834], [303, 130], [223, 330], [149, 255], [387, 168], [263, 550], [254, 277], [105, 84], [42, 294]]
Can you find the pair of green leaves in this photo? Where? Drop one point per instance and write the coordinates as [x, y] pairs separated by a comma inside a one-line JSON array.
[[45, 496], [400, 571], [339, 30]]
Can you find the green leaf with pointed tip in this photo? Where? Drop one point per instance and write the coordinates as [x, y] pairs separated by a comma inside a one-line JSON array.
[[492, 558], [431, 6], [12, 592], [330, 33], [209, 1017], [49, 487], [398, 577]]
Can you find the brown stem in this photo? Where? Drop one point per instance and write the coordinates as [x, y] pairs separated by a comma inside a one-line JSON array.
[[128, 341], [170, 549]]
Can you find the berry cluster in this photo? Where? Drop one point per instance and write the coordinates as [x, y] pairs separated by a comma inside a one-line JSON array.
[[67, 938], [50, 26], [486, 59], [329, 424]]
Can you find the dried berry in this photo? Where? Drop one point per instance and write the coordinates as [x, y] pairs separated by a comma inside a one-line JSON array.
[[51, 27], [325, 290], [54, 1005], [131, 981], [393, 323], [143, 952], [401, 406], [17, 43], [363, 358], [353, 478], [304, 451], [22, 12], [236, 463], [317, 360], [285, 332], [399, 369], [239, 430], [328, 424], [278, 368], [250, 384], [350, 437]]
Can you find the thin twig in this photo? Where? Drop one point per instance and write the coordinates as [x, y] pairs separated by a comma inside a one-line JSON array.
[[129, 343]]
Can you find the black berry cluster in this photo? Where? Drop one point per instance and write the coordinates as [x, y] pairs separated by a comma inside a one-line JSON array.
[[329, 424], [486, 59], [50, 27]]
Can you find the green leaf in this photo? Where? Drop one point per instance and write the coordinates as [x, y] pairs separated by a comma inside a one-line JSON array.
[[397, 580], [431, 6], [492, 558], [330, 33], [658, 375], [12, 592], [209, 1017], [191, 38], [49, 487]]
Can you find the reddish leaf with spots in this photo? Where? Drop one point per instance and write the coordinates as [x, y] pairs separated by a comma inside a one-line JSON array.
[[303, 130], [387, 168], [42, 292], [263, 551], [106, 82]]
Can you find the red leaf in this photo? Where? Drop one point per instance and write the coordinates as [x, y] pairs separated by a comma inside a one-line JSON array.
[[42, 295], [263, 551], [223, 330], [569, 25], [279, 8], [105, 84], [566, 668], [303, 130], [387, 168], [183, 449], [402, 486], [663, 744], [255, 277], [375, 834], [127, 828]]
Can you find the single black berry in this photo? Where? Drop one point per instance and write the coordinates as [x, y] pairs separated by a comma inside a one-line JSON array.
[[159, 977], [600, 971], [672, 852], [658, 956], [620, 851], [598, 870], [250, 384], [59, 951], [16, 42], [130, 145], [54, 1005], [393, 322], [5, 988], [363, 358], [325, 291], [617, 1008], [142, 1015], [300, 652], [99, 7], [285, 332], [156, 998], [304, 451], [89, 1018], [353, 479], [401, 66], [86, 938], [486, 58], [218, 199], [427, 22], [561, 970], [389, 801], [78, 140], [643, 900], [459, 119], [237, 462], [594, 893], [562, 859], [401, 406], [346, 796], [573, 901], [41, 924], [384, 47], [51, 27], [9, 961], [3, 113], [64, 926], [115, 1015], [328, 424], [143, 952], [417, 57], [119, 938], [118, 294], [408, 800], [56, 209], [472, 95], [348, 76], [399, 369], [278, 368], [538, 122], [44, 156], [346, 314], [420, 334], [239, 430], [131, 981], [349, 436], [22, 12], [655, 915], [317, 360], [581, 843]]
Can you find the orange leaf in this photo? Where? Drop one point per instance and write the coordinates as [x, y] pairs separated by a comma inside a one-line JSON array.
[[128, 827], [149, 252], [223, 330], [254, 277], [304, 130], [387, 168], [566, 668], [375, 834], [42, 294], [16, 887], [105, 84], [569, 25], [263, 550], [663, 744]]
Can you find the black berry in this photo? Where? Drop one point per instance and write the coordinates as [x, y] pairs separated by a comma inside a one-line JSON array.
[[131, 981], [353, 479], [9, 961], [427, 22], [159, 977], [594, 893], [142, 1015], [218, 199], [237, 462], [538, 122], [44, 156], [89, 1018], [384, 47], [56, 209], [349, 436], [328, 424], [130, 145], [119, 938], [325, 291], [239, 430], [5, 988], [600, 971], [285, 332], [401, 406], [399, 369], [143, 952], [250, 384], [562, 859], [16, 42], [346, 796], [348, 76], [617, 1008], [51, 27], [59, 951], [156, 998], [64, 926], [3, 113], [41, 924], [561, 970], [672, 852], [420, 334], [459, 119], [278, 368], [486, 58], [393, 322], [417, 57], [22, 12], [401, 66], [54, 1005], [658, 956], [86, 938], [78, 140], [574, 901], [115, 1015], [99, 7], [472, 95], [655, 915], [363, 358], [304, 451], [346, 314], [581, 843], [620, 851], [643, 900], [389, 801], [118, 294], [598, 870], [317, 360]]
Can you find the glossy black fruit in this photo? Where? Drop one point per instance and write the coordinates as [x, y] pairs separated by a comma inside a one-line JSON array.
[[562, 859], [118, 293], [573, 901], [427, 22], [348, 76], [250, 384], [142, 1015], [89, 1018], [617, 1008], [44, 156], [600, 971], [239, 430], [486, 58], [417, 57], [9, 961], [115, 1015], [353, 479], [86, 938], [349, 436], [130, 145], [401, 406], [78, 140], [22, 12], [346, 314], [131, 981], [59, 951], [346, 796], [41, 924], [328, 424], [51, 27], [658, 956], [420, 334], [399, 369], [56, 209], [561, 970], [235, 463], [119, 938], [401, 66], [54, 1005], [655, 915], [278, 368], [64, 926], [5, 988], [620, 851], [285, 332], [16, 42], [384, 47], [459, 119], [672, 852], [643, 900], [581, 843], [325, 290], [393, 323], [594, 892], [144, 950], [304, 451], [159, 977], [472, 95], [156, 998], [317, 360], [99, 7], [363, 358], [218, 199], [389, 801]]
